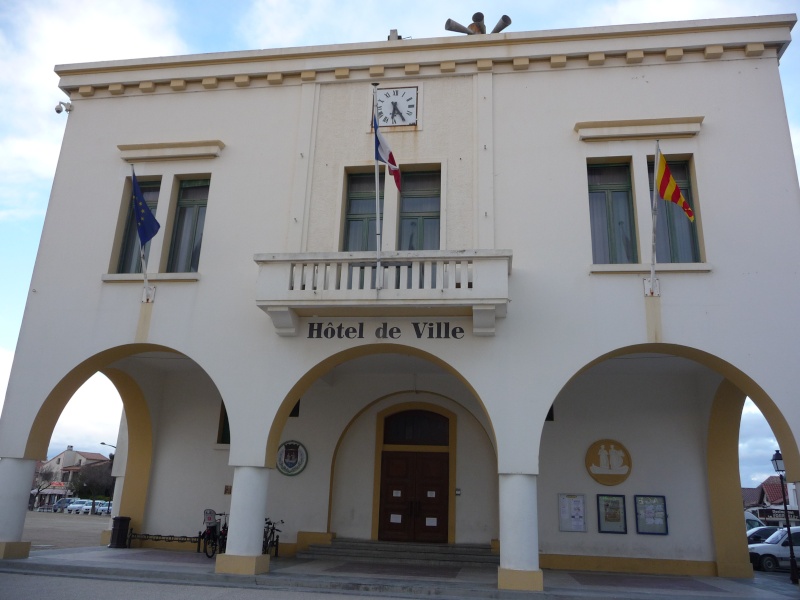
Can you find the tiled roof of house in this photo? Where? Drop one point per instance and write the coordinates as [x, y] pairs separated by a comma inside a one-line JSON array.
[[772, 490], [92, 456], [751, 497]]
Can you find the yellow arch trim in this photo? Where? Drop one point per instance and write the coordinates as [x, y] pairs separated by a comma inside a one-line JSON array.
[[722, 450], [783, 433], [318, 370], [137, 414], [724, 488], [52, 407], [140, 447]]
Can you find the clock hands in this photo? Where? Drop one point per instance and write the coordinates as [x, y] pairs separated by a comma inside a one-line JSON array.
[[396, 110]]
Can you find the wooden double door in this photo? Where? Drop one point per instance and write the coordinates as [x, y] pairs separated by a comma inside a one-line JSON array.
[[414, 497]]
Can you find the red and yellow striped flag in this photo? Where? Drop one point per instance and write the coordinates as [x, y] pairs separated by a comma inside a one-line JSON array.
[[668, 189]]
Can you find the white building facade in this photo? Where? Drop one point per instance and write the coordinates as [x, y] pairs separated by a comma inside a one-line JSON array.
[[505, 377]]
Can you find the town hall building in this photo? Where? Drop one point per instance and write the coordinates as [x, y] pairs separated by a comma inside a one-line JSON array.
[[503, 369]]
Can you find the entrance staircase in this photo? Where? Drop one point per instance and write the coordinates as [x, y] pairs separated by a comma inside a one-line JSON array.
[[408, 553]]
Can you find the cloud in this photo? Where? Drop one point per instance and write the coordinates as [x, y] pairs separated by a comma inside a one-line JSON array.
[[795, 132], [277, 23], [91, 416], [6, 358], [649, 11], [756, 446], [34, 37]]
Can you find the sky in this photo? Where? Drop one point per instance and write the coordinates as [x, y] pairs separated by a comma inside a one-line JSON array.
[[36, 35]]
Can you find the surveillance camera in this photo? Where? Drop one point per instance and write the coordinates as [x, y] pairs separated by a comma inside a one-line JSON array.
[[59, 108]]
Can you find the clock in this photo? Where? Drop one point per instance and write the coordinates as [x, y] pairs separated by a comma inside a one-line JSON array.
[[397, 106]]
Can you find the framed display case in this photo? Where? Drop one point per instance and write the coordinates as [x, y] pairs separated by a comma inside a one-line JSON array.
[[611, 514], [651, 515], [571, 512]]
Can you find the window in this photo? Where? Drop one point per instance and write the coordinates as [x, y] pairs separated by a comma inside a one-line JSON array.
[[130, 260], [416, 427], [420, 201], [359, 232], [224, 429], [611, 214], [676, 235], [187, 235]]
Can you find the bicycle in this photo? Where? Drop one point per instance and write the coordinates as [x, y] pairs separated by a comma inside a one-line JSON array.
[[271, 537], [215, 537]]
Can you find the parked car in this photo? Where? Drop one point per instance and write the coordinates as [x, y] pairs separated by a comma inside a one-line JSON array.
[[61, 504], [756, 535], [77, 505], [750, 521], [773, 553], [102, 508], [87, 508]]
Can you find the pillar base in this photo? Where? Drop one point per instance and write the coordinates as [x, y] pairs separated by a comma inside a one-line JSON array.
[[528, 581], [105, 537], [736, 570], [14, 550], [242, 565]]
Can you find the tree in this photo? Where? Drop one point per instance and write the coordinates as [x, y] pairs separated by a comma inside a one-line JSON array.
[[93, 481], [42, 481]]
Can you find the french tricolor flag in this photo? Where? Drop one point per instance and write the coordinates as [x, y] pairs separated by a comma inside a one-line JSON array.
[[384, 154]]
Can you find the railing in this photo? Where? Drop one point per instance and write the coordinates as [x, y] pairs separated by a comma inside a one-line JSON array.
[[415, 281], [153, 537], [393, 275]]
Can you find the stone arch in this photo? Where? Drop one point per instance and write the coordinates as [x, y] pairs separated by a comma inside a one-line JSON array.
[[742, 381], [321, 368], [722, 465], [139, 461]]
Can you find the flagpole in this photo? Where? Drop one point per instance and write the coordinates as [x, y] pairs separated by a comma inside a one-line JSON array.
[[654, 211], [379, 272]]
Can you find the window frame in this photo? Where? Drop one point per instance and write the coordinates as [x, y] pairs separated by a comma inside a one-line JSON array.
[[189, 261], [368, 242], [420, 216], [130, 259], [671, 216], [613, 246]]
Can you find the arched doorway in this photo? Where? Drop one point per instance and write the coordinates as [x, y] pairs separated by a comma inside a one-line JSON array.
[[415, 477]]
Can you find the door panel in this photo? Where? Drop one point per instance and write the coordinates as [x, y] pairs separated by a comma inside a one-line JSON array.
[[414, 496], [397, 483]]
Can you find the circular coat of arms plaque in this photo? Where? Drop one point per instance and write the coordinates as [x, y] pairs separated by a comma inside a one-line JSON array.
[[292, 457], [608, 462]]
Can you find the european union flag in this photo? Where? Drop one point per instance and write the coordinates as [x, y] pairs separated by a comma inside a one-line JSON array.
[[146, 223]]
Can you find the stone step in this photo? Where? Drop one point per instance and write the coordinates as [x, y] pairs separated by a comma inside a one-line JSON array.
[[404, 553]]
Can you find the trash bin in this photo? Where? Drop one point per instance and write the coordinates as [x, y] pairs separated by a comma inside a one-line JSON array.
[[119, 532]]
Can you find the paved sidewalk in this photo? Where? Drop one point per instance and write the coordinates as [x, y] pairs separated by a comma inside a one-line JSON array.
[[385, 580], [66, 546]]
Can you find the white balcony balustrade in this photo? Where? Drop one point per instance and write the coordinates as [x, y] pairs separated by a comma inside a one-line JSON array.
[[429, 283]]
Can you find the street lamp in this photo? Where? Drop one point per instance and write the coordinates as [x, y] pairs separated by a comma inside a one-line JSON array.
[[109, 445], [777, 462]]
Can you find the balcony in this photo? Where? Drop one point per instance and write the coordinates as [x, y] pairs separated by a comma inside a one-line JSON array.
[[414, 283]]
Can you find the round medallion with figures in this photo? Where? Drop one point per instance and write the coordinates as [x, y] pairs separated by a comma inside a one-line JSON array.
[[608, 462]]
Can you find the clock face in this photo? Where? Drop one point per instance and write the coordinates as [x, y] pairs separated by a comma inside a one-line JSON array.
[[397, 106]]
